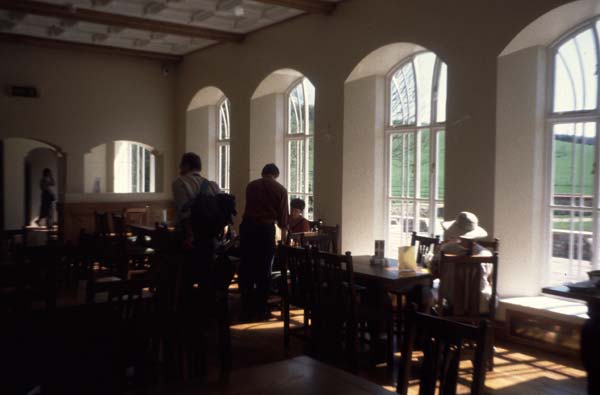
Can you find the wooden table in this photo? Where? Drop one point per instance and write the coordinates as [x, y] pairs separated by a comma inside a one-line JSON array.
[[298, 376], [590, 333], [389, 278]]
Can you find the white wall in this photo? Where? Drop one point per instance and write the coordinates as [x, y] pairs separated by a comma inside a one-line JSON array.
[[519, 171], [201, 137], [363, 186], [267, 125], [95, 167], [15, 152], [87, 99]]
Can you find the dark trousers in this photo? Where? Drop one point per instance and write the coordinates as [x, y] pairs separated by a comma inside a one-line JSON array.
[[258, 248]]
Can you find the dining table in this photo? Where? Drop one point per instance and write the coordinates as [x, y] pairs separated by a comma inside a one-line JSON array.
[[590, 341], [297, 376], [389, 277]]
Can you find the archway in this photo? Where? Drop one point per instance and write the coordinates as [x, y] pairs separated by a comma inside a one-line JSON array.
[[547, 236], [122, 167], [394, 120], [208, 133], [23, 161], [282, 123]]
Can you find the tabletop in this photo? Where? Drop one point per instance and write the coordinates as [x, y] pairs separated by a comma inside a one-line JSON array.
[[297, 376], [565, 292], [389, 276]]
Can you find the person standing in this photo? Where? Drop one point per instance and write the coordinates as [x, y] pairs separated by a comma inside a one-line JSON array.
[[47, 185], [186, 188], [266, 206]]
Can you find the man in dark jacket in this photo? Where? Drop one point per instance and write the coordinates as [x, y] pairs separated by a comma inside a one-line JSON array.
[[266, 205]]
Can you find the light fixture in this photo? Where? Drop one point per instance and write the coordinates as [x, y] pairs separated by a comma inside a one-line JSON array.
[[238, 11]]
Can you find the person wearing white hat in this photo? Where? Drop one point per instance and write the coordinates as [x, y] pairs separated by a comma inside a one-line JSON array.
[[460, 237]]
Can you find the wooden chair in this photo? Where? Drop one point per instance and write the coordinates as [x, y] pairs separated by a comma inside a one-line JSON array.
[[424, 244], [334, 234], [315, 225], [118, 223], [321, 241], [492, 245], [466, 272], [338, 312], [136, 215], [101, 224], [134, 304], [334, 311], [296, 287], [442, 345]]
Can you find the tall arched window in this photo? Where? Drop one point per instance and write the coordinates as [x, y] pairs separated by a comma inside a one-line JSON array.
[[299, 143], [223, 146], [415, 143], [574, 114]]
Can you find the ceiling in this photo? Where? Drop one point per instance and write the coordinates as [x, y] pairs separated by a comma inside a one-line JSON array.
[[169, 27]]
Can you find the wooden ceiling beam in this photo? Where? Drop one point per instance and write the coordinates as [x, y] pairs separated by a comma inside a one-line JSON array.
[[61, 44], [310, 6], [104, 18]]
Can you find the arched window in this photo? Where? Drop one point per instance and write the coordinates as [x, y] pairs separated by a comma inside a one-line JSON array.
[[299, 143], [134, 168], [223, 146], [573, 204], [415, 143]]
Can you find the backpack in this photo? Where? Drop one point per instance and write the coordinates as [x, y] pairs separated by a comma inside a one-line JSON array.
[[211, 213]]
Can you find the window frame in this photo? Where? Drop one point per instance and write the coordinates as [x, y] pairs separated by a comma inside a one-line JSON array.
[[287, 137], [551, 119], [219, 142], [434, 127], [141, 150]]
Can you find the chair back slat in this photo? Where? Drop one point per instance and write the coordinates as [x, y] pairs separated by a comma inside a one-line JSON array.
[[424, 244], [467, 271], [333, 277], [101, 225], [136, 216], [126, 296], [442, 342], [334, 235], [119, 226], [296, 273], [311, 240]]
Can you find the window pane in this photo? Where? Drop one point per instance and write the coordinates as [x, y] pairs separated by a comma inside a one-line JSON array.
[[575, 77], [402, 166], [224, 120], [442, 94], [573, 164], [134, 167], [296, 166], [439, 218], [424, 149], [424, 64], [424, 218], [402, 96], [296, 110], [309, 89], [440, 164], [147, 171], [311, 163], [572, 240], [401, 224]]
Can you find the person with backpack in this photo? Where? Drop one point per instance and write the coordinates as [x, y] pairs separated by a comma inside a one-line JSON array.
[[266, 205]]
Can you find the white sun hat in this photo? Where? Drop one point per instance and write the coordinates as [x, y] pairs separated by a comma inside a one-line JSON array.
[[466, 226]]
